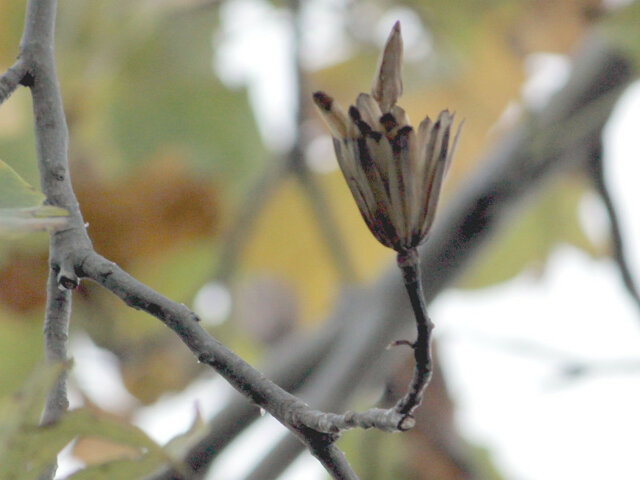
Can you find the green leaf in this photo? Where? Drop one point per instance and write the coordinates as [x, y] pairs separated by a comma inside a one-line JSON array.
[[15, 192], [26, 448], [42, 444], [168, 101], [120, 469], [21, 206], [152, 456]]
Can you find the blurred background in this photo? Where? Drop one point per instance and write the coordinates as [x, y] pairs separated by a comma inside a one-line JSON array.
[[204, 172]]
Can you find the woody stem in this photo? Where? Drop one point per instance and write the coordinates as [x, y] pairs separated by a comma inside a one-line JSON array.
[[409, 264]]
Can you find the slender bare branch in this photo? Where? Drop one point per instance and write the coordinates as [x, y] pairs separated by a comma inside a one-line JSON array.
[[293, 162], [289, 366], [327, 224], [292, 412], [14, 76], [256, 197], [596, 170], [56, 329], [288, 409], [423, 371], [36, 69]]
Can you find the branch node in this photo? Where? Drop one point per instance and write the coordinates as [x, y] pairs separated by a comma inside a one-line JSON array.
[[397, 343], [407, 423], [28, 80], [205, 358], [67, 280]]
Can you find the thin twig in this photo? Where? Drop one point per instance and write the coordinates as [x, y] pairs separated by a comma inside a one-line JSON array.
[[409, 263], [289, 366], [596, 171], [329, 230], [293, 162], [255, 199], [10, 79], [327, 225]]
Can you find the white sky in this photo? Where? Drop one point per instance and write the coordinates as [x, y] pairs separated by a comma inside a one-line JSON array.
[[500, 347]]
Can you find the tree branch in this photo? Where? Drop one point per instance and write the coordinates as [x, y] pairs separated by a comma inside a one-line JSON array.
[[289, 366], [292, 412], [293, 162], [595, 168], [423, 371], [14, 76], [36, 69], [255, 198], [56, 329]]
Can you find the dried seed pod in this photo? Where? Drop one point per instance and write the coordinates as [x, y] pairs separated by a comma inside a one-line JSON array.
[[394, 173]]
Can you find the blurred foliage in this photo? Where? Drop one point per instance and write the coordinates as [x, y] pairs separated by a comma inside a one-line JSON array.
[[622, 28], [549, 220], [118, 449], [162, 151]]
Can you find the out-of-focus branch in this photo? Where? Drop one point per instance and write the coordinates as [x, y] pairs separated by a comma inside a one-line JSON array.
[[257, 195], [568, 365], [596, 170], [327, 225], [293, 162]]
